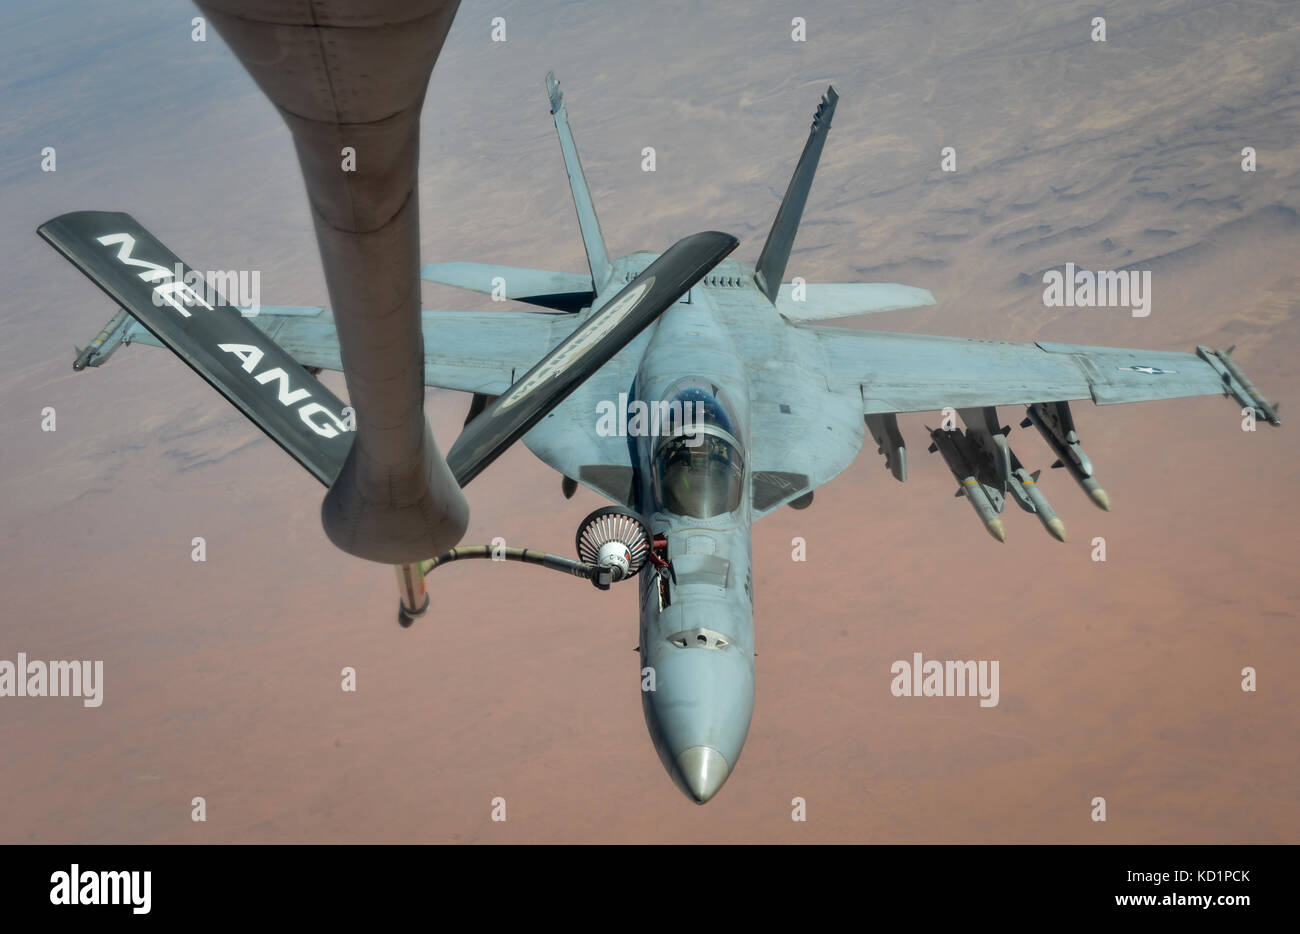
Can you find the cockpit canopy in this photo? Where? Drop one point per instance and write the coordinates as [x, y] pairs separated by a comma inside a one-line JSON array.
[[699, 469]]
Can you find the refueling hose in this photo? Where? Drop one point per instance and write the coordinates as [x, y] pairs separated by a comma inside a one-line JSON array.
[[598, 575]]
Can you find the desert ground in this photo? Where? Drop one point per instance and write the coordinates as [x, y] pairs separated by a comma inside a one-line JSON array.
[[1119, 679]]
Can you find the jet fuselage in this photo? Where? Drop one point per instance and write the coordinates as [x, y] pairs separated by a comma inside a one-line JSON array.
[[697, 627]]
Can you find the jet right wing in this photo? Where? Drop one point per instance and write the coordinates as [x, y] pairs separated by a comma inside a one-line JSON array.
[[255, 375], [485, 352], [468, 351], [482, 352]]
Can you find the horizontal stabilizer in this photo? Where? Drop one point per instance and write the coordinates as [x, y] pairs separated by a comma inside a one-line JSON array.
[[563, 291], [819, 301], [234, 355], [607, 331]]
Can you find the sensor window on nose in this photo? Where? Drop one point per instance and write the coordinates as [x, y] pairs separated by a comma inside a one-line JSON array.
[[699, 639]]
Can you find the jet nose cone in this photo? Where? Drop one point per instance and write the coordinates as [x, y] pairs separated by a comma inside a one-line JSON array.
[[703, 770]]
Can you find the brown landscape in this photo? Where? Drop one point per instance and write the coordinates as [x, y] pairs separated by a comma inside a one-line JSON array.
[[1119, 679]]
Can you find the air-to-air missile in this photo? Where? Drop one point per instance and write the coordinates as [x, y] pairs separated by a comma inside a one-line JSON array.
[[1056, 425], [1238, 385], [963, 461], [99, 349]]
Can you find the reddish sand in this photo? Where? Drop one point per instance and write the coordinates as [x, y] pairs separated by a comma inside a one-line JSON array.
[[1118, 679]]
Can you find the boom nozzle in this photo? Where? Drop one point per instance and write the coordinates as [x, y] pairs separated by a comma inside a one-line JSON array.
[[413, 596]]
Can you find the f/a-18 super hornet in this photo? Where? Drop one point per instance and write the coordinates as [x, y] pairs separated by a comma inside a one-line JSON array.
[[720, 405]]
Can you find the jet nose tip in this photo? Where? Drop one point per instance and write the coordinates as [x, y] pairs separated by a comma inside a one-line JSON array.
[[704, 770]]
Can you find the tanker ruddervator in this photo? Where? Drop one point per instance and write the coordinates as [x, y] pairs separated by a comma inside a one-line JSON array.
[[719, 404]]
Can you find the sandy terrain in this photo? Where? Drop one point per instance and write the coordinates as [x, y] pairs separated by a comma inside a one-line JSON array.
[[1119, 679]]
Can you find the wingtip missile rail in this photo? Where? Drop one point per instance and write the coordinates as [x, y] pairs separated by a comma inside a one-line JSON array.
[[101, 347], [1238, 385]]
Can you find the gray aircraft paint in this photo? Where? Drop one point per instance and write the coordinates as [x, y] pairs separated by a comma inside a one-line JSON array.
[[805, 392], [802, 395]]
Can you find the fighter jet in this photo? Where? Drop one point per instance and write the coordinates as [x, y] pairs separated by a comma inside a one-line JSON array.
[[722, 403]]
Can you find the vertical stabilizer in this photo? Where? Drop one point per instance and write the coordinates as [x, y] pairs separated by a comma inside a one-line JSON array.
[[592, 239], [776, 251]]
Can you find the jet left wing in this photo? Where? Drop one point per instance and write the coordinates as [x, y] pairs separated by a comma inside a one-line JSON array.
[[891, 373], [919, 373]]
